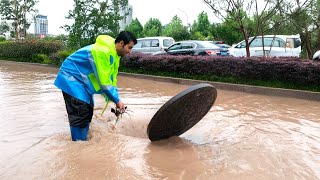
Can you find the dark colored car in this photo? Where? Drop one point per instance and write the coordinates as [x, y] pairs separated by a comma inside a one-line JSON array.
[[223, 45], [224, 48], [193, 47]]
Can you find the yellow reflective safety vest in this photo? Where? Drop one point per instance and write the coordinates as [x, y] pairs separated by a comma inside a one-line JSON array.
[[91, 70]]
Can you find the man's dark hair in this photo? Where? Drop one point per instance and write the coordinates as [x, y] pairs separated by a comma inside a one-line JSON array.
[[126, 37]]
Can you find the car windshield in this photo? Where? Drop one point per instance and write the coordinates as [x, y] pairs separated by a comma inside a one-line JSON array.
[[168, 42]]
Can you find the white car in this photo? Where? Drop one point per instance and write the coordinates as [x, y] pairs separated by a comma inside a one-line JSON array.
[[274, 46], [316, 56], [151, 45]]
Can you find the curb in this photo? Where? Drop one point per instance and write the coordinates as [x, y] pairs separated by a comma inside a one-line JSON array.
[[298, 94]]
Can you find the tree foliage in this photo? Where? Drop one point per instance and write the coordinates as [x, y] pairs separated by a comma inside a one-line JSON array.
[[239, 12], [301, 17], [153, 27], [227, 33], [176, 29], [92, 18], [17, 11], [4, 27], [136, 28], [203, 25]]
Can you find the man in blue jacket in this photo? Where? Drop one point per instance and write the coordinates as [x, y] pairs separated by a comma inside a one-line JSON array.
[[91, 70]]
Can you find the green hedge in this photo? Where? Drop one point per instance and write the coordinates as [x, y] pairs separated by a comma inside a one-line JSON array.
[[57, 58], [25, 50], [41, 58]]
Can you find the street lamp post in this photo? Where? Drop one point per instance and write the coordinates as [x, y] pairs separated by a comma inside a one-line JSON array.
[[188, 24]]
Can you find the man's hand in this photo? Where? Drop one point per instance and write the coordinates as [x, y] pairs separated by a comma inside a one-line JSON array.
[[121, 106]]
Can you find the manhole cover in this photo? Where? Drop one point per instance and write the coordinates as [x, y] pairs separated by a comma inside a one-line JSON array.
[[182, 112]]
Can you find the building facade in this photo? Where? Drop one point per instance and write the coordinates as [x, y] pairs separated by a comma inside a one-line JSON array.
[[41, 26], [128, 18]]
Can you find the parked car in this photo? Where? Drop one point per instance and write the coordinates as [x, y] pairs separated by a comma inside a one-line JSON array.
[[274, 46], [192, 47], [316, 56], [223, 45], [224, 48], [150, 45]]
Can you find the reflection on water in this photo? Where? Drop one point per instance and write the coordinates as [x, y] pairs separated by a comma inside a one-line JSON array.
[[243, 136]]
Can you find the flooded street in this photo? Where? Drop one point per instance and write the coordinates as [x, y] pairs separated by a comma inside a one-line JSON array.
[[244, 136]]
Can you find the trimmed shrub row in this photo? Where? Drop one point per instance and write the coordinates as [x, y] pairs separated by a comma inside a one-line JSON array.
[[289, 70], [24, 50], [57, 58]]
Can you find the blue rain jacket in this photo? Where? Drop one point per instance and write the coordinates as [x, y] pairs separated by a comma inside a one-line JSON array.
[[91, 70]]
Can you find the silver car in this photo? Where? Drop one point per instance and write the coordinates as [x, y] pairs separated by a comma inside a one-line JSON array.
[[150, 45]]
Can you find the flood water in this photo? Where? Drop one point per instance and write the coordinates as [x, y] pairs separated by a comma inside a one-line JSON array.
[[244, 136]]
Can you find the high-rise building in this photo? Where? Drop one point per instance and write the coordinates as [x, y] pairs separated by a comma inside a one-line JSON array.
[[41, 26], [128, 18]]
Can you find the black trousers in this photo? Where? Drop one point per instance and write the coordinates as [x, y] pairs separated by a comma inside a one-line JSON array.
[[79, 112]]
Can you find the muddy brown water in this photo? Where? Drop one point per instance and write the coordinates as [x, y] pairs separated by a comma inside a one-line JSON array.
[[244, 136]]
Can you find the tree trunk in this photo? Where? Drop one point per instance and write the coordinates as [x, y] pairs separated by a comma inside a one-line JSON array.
[[24, 19], [246, 39], [264, 53], [308, 45], [16, 21]]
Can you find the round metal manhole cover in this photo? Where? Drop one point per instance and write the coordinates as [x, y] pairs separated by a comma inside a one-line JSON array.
[[182, 112]]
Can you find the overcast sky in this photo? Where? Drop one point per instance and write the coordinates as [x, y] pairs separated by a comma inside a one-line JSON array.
[[164, 10]]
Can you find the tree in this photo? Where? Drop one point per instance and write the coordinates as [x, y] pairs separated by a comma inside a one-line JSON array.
[[315, 15], [17, 11], [152, 27], [226, 33], [92, 18], [4, 27], [136, 28], [26, 7], [176, 30], [202, 25], [238, 14], [302, 18]]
